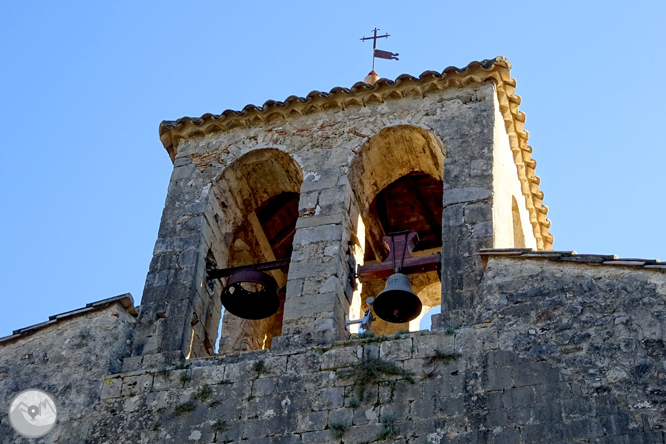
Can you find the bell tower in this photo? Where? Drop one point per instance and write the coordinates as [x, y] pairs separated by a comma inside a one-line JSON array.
[[303, 194]]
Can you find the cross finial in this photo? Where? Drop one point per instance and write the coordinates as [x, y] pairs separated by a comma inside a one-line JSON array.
[[378, 52]]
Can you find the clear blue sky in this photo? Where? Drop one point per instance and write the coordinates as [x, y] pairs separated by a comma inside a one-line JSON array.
[[85, 85]]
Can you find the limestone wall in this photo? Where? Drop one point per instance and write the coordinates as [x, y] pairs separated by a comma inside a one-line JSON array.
[[561, 352], [68, 359]]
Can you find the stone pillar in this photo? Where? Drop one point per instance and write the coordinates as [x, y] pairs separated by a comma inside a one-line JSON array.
[[319, 288], [467, 224], [178, 309]]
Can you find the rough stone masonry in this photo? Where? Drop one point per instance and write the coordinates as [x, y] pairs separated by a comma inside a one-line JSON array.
[[532, 345]]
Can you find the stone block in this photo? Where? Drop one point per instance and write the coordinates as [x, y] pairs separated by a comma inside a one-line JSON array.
[[449, 406], [264, 408], [470, 341], [533, 373], [452, 215], [160, 360], [275, 366], [518, 397], [425, 345], [342, 415], [397, 407], [320, 220], [507, 435], [307, 269], [340, 357], [321, 184], [111, 387], [478, 213], [255, 428], [239, 371], [310, 421], [294, 288], [171, 379], [399, 349], [364, 433], [329, 398], [263, 387], [131, 364], [301, 307], [308, 201], [133, 385], [321, 233], [306, 381], [438, 387], [208, 375], [320, 437], [303, 363], [366, 414], [290, 438], [468, 194], [543, 432], [423, 407], [495, 419], [482, 229]]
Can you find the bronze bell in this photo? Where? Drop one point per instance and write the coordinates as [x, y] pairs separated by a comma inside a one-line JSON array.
[[398, 303], [251, 294]]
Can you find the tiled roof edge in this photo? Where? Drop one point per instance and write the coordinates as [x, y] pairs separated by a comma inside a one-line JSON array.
[[125, 300], [572, 256], [173, 131]]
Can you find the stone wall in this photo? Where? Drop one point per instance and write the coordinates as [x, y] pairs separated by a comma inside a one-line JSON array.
[[69, 359], [564, 349]]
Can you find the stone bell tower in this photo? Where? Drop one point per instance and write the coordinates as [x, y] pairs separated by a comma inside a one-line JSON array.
[[318, 182]]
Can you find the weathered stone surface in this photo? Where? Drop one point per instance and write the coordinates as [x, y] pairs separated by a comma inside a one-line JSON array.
[[501, 378], [469, 194], [545, 348]]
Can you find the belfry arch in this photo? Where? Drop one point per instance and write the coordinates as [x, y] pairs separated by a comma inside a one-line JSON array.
[[258, 203], [396, 178]]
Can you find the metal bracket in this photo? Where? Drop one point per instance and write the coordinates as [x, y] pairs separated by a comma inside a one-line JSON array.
[[367, 319]]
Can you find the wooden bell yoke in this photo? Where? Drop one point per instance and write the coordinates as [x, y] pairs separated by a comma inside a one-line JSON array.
[[399, 259]]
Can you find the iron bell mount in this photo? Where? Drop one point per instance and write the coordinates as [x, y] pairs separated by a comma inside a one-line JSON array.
[[398, 303], [250, 293], [366, 321]]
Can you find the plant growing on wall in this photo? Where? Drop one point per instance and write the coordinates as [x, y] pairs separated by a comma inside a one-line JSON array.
[[203, 393], [372, 371], [389, 427], [338, 428]]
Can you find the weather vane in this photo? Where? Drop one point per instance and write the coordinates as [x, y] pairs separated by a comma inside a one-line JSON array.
[[378, 52]]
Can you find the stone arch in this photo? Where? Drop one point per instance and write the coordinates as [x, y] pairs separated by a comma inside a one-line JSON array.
[[399, 171], [392, 153], [257, 207]]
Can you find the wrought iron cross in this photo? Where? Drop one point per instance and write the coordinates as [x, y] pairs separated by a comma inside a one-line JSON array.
[[378, 52]]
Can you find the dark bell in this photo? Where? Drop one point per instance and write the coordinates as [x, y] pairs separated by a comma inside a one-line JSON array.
[[251, 295], [397, 303]]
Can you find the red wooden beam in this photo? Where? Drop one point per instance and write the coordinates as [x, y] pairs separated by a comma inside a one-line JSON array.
[[399, 259]]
